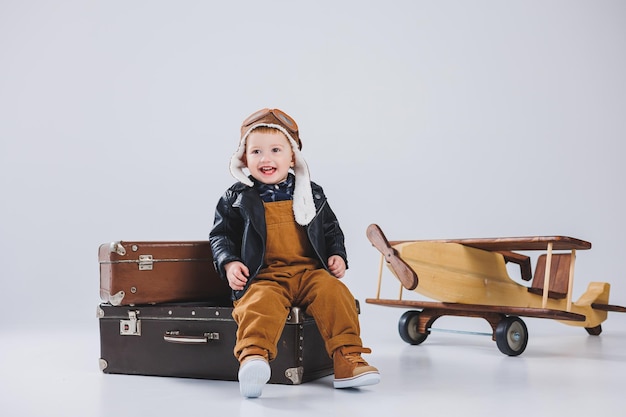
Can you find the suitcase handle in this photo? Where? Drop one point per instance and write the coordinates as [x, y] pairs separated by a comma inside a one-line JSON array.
[[174, 336]]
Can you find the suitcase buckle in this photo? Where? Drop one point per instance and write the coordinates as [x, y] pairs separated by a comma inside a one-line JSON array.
[[145, 262], [132, 326]]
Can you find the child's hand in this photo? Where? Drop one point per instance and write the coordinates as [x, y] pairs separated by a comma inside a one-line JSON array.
[[237, 275], [337, 266]]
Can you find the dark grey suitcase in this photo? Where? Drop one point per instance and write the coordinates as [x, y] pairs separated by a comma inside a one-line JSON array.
[[196, 340]]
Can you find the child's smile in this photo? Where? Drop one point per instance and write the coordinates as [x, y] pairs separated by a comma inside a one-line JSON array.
[[268, 156]]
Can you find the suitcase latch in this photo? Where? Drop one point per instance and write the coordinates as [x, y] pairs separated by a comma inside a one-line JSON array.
[[145, 262], [132, 326]]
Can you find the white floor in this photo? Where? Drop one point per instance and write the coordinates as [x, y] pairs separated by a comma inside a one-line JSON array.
[[54, 372]]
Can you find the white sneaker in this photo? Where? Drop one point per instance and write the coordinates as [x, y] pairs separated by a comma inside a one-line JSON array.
[[254, 373]]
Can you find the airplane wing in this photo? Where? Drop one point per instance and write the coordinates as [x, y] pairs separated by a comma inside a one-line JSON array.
[[542, 313], [516, 243]]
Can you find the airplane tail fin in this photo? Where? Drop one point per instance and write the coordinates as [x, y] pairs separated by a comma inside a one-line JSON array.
[[597, 293], [597, 296]]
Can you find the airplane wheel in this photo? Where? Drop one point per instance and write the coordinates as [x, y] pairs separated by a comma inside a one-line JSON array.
[[511, 336], [407, 327]]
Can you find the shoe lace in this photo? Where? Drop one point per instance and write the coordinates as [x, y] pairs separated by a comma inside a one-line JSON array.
[[356, 359], [353, 355]]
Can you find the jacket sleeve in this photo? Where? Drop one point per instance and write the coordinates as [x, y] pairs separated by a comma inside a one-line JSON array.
[[334, 237], [226, 235]]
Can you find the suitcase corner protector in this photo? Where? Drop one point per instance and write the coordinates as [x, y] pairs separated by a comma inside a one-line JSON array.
[[116, 299], [295, 375]]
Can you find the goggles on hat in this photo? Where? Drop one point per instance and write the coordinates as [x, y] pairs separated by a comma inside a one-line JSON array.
[[282, 117]]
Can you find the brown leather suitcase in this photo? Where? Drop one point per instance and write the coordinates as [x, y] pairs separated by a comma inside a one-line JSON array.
[[196, 340], [133, 273]]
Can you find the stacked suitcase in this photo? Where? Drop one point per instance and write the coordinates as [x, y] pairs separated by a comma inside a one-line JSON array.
[[166, 312]]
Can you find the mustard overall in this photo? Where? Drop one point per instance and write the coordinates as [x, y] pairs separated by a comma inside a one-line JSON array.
[[293, 277]]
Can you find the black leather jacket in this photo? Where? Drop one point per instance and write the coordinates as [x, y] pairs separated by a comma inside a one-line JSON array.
[[239, 231]]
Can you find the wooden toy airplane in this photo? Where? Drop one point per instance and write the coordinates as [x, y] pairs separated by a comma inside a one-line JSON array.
[[469, 278]]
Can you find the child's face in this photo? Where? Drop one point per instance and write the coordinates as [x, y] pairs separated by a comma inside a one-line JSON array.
[[268, 156]]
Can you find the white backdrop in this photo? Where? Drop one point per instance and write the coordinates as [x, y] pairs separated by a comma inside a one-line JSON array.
[[434, 119]]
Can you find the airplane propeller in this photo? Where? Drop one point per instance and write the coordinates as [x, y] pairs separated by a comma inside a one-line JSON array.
[[402, 270]]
